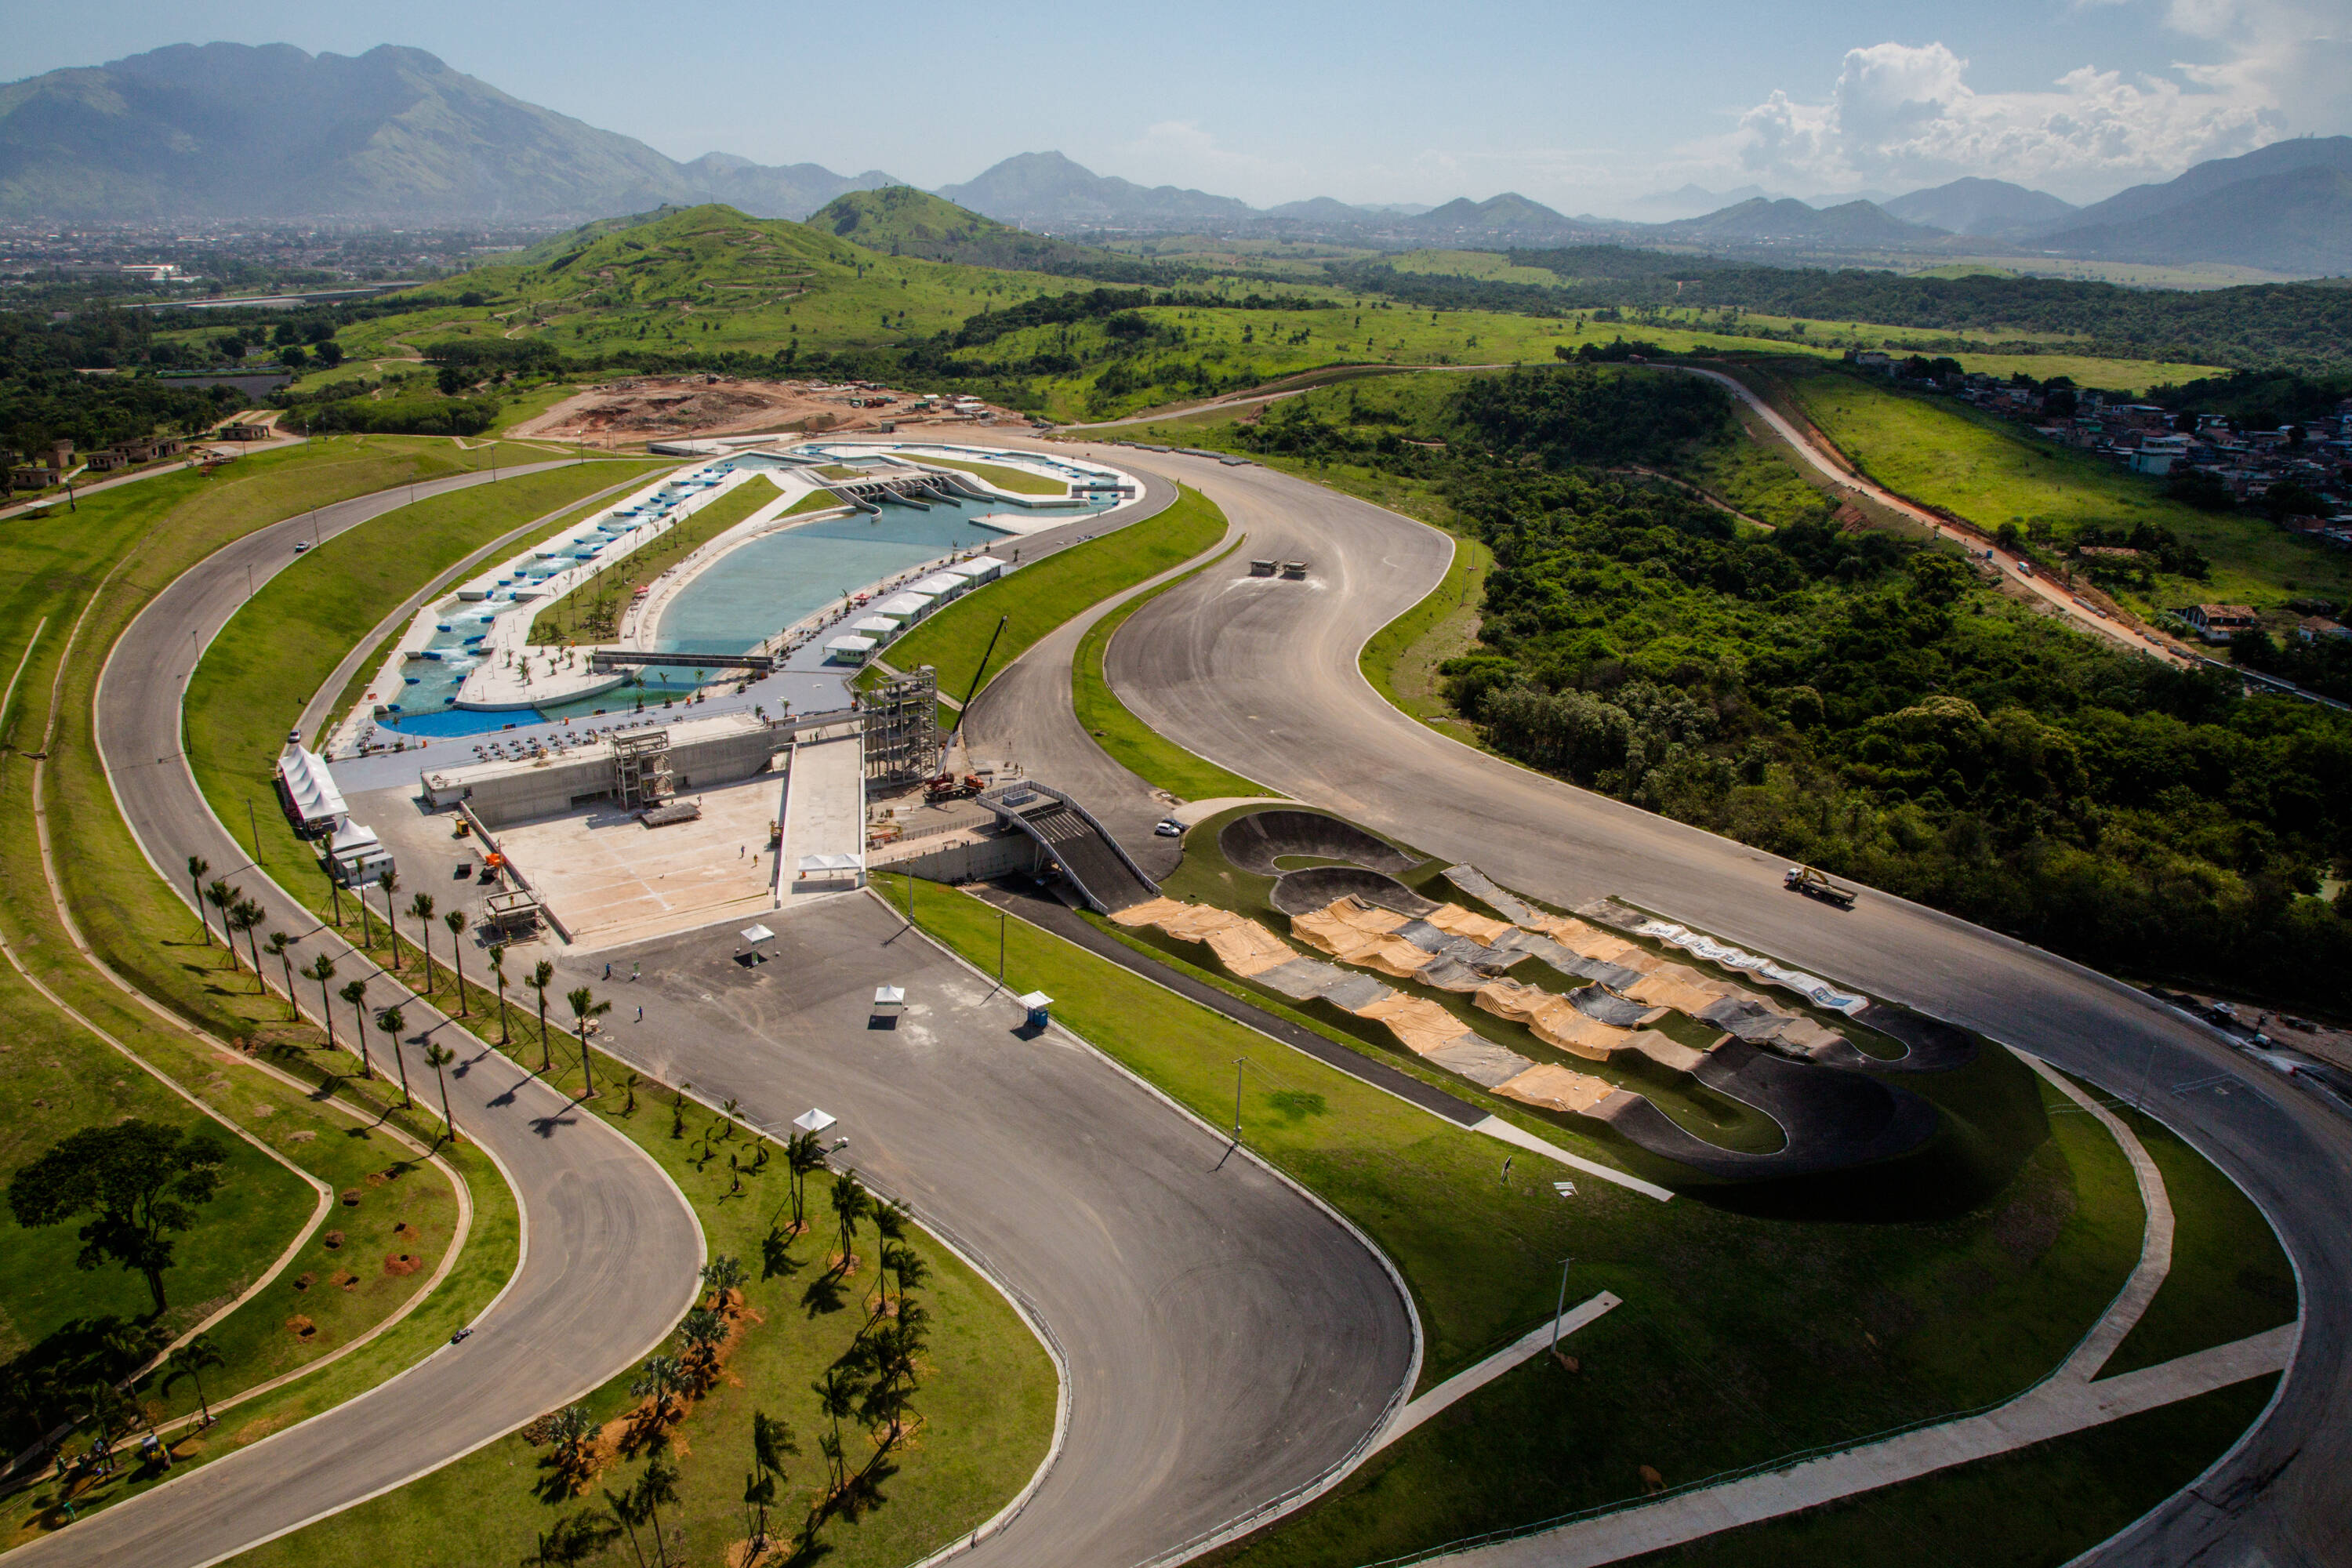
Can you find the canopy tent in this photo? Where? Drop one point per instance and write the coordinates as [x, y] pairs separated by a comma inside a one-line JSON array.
[[813, 1121], [755, 935], [311, 790], [828, 865]]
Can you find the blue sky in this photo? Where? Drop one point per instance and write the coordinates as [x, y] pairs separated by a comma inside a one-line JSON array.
[[1583, 106]]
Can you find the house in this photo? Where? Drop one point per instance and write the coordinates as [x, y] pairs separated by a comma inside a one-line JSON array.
[[2219, 623], [107, 461], [2153, 461], [243, 432], [2319, 629]]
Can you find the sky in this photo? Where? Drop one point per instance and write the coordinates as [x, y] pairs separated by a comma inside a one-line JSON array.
[[1587, 108]]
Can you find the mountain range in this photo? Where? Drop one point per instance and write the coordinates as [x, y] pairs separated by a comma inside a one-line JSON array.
[[236, 132]]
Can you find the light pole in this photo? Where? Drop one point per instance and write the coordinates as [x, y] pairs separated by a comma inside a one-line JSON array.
[[1562, 1306], [999, 947], [1239, 1062], [252, 829]]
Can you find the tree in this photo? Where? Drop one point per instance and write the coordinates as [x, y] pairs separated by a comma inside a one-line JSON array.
[[771, 1441], [282, 947], [220, 895], [197, 867], [139, 1182], [389, 881], [570, 1429], [245, 916], [657, 1486], [420, 909], [631, 1513], [659, 1382], [585, 1006], [455, 921], [542, 975], [851, 1204], [439, 1056], [191, 1361], [392, 1021], [804, 1155], [577, 1537], [721, 1275], [704, 1331], [355, 992], [323, 969], [498, 956]]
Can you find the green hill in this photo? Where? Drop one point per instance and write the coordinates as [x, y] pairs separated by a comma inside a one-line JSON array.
[[899, 220], [698, 281]]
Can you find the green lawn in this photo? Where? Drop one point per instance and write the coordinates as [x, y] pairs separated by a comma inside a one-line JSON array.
[[1989, 472], [1020, 481], [1036, 599], [2035, 1507], [591, 611], [1127, 739], [1401, 659], [531, 404], [1740, 1337]]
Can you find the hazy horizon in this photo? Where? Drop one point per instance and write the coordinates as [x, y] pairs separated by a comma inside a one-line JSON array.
[[1583, 107]]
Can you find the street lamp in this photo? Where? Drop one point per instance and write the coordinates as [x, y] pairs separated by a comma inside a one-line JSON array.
[[1562, 1306], [1239, 1062]]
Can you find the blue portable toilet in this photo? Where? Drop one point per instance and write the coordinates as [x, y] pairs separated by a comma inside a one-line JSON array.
[[1036, 1004]]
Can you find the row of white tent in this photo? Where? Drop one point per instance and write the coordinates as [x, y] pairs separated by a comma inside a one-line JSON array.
[[887, 616]]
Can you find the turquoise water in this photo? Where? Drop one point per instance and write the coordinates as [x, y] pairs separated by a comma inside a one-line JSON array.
[[764, 586]]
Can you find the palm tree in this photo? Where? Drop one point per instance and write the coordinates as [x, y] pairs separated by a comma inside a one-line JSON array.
[[585, 1006], [389, 881], [191, 1360], [703, 1331], [631, 1513], [771, 1441], [851, 1204], [802, 1155], [391, 1022], [662, 1378], [657, 1486], [727, 1113], [455, 921], [220, 895], [570, 1429], [498, 956], [246, 916], [542, 975], [323, 969], [197, 867], [439, 1056], [719, 1276], [420, 909], [355, 992], [281, 949]]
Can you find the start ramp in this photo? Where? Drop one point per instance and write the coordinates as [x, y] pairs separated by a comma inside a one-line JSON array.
[[1104, 875]]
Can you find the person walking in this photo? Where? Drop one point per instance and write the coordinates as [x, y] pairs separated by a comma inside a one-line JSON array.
[[641, 1014], [608, 970]]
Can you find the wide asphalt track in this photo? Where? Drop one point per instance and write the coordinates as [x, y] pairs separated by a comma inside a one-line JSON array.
[[610, 1248], [1225, 1339], [1260, 676]]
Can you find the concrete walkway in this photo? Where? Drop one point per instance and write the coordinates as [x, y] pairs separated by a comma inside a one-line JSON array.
[[1535, 1341], [2066, 1401]]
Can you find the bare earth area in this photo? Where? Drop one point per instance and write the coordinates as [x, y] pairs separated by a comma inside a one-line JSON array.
[[654, 407]]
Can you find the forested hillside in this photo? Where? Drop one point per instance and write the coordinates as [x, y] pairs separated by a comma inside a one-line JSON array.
[[1847, 697]]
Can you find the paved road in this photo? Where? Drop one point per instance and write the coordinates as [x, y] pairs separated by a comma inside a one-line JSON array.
[[1226, 1339], [611, 1247], [1260, 675]]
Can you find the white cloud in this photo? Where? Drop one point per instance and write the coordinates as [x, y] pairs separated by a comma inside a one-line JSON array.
[[1906, 114]]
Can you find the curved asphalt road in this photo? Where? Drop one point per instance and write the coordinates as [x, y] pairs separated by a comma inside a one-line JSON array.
[[1260, 676], [610, 1248]]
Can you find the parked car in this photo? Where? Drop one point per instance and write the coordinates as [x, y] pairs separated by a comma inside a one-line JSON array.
[[1169, 828]]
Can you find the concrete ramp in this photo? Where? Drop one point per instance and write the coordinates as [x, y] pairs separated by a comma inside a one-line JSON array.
[[1104, 874], [824, 819]]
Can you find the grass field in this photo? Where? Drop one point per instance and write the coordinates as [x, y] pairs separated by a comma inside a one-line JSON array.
[[1131, 742], [1038, 598], [591, 611], [1401, 659], [1739, 1339], [1020, 481], [1982, 469]]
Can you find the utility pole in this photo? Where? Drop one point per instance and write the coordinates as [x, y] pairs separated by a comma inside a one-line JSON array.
[[253, 828], [1562, 1308], [999, 947], [1239, 1062]]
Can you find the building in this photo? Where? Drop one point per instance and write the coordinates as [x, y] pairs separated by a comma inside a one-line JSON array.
[[107, 461], [2219, 623], [307, 790], [2319, 629], [239, 431]]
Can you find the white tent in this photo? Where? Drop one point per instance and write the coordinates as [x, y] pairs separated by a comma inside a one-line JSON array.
[[755, 935], [828, 865], [311, 789], [813, 1121]]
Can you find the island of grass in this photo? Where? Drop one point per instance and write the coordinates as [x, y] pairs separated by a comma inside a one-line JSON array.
[[1020, 481], [591, 611]]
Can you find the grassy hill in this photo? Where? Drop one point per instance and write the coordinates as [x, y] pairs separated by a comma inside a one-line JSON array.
[[899, 220], [696, 282]]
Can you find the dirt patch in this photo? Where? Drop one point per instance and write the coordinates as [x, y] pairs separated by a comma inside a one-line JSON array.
[[304, 1280], [343, 1277], [377, 1178], [406, 1231], [656, 406], [255, 1430], [301, 1328], [351, 1197], [401, 1263], [332, 1241]]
